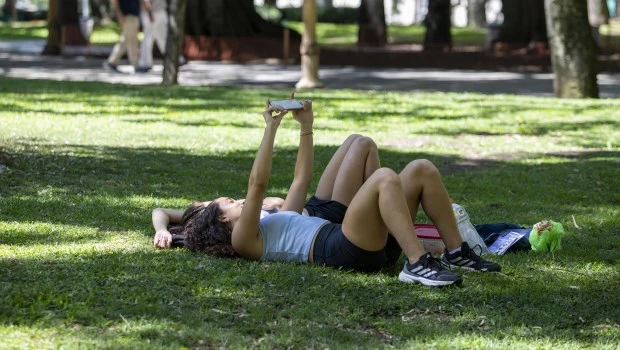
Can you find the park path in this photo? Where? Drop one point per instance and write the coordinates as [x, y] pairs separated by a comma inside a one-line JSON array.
[[20, 59]]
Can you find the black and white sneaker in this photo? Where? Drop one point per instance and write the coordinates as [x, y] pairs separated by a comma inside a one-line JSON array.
[[468, 259], [428, 271]]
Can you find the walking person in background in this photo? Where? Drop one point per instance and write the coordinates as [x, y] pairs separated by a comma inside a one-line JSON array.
[[127, 13], [154, 18]]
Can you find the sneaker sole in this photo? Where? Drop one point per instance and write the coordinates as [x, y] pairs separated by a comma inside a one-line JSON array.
[[469, 268], [403, 277]]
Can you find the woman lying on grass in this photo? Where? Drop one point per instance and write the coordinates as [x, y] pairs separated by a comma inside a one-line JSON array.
[[226, 227], [341, 179]]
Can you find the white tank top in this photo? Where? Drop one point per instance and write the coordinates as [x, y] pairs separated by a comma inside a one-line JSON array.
[[287, 236]]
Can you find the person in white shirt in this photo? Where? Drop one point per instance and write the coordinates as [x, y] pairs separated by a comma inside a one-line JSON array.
[[381, 206]]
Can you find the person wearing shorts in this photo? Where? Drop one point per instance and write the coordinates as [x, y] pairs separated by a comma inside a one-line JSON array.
[[382, 204]]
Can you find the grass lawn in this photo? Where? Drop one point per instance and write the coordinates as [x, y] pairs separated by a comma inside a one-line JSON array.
[[102, 35], [328, 34], [83, 164]]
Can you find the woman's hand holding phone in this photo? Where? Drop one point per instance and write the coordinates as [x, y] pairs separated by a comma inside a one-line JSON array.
[[304, 116], [273, 116]]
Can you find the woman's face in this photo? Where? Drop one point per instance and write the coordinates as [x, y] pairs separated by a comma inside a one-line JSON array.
[[231, 208]]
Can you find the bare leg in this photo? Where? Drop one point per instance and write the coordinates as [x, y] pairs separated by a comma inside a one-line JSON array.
[[379, 206], [360, 162], [326, 184], [354, 161], [422, 184]]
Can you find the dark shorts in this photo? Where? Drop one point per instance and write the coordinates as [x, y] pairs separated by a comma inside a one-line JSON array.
[[332, 248], [331, 211]]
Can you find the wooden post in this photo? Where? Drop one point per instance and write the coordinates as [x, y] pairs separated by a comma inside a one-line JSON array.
[[309, 49], [286, 45]]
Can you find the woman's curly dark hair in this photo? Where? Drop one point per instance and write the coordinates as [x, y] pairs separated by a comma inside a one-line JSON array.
[[204, 232]]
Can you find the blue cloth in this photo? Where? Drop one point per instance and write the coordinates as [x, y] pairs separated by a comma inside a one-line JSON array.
[[491, 232]]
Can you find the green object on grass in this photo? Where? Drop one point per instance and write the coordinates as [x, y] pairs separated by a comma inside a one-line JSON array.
[[546, 236]]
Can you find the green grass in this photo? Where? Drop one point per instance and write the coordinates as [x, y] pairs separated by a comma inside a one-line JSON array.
[[23, 30], [87, 162], [102, 34], [328, 34]]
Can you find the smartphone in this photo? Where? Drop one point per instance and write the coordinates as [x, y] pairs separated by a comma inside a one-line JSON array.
[[287, 104]]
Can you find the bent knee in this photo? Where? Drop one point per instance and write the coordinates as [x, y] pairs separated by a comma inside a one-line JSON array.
[[386, 175], [352, 138], [365, 143], [421, 167]]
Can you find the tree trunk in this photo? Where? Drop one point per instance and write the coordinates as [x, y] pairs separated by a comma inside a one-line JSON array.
[[477, 13], [438, 24], [226, 18], [524, 22], [309, 49], [10, 10], [372, 27], [176, 21], [572, 49], [52, 46]]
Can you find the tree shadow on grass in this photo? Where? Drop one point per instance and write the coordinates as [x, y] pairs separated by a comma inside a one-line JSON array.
[[116, 188], [236, 302]]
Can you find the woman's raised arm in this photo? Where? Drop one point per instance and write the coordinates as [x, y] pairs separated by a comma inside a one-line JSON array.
[[296, 197], [245, 232]]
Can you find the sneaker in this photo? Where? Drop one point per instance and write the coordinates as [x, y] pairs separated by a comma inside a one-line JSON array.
[[110, 66], [143, 69], [468, 259], [428, 271]]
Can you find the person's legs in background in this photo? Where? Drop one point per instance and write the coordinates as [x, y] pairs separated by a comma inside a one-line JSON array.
[[130, 31], [128, 43], [146, 48]]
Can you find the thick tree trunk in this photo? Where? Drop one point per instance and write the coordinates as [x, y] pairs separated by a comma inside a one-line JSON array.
[[438, 24], [572, 49], [372, 27], [52, 46], [10, 10], [69, 24], [309, 49], [226, 18], [176, 20], [477, 13], [524, 22]]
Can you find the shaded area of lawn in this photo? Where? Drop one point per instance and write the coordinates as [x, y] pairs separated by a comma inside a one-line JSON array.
[[88, 162]]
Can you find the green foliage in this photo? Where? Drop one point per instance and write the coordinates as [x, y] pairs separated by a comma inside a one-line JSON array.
[[83, 164]]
